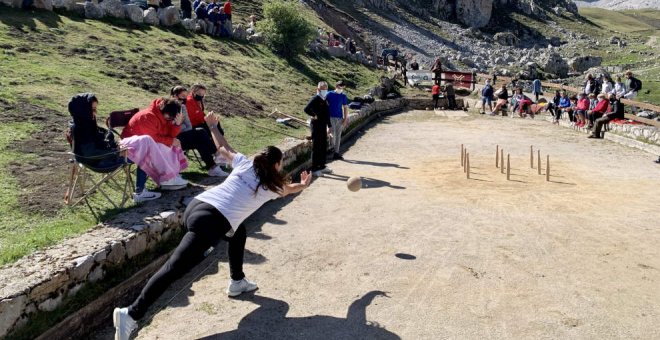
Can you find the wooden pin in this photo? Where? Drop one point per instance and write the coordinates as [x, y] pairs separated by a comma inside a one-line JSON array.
[[508, 167], [539, 161], [531, 156], [497, 156], [547, 169], [502, 161], [467, 166], [462, 155]]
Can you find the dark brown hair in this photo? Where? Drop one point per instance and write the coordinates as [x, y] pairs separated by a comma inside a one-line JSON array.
[[175, 91], [264, 167], [169, 106]]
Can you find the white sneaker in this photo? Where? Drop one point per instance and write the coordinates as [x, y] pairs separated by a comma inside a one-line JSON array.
[[237, 288], [317, 173], [175, 183], [145, 196], [220, 160], [216, 171], [124, 324], [326, 170]]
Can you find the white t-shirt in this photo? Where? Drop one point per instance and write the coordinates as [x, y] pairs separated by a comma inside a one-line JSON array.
[[235, 198]]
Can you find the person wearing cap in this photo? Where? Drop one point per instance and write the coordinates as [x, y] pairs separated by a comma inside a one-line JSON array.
[[616, 111], [338, 102]]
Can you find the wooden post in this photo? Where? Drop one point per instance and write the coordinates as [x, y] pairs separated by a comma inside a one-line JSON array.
[[462, 155], [547, 169], [531, 156], [467, 166], [539, 160], [465, 161], [508, 167], [502, 161], [497, 156]]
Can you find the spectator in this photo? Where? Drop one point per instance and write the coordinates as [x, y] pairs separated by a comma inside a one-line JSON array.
[[338, 103], [414, 65], [494, 78], [589, 84], [227, 12], [165, 3], [224, 30], [203, 18], [599, 83], [487, 97], [502, 99], [196, 138], [195, 106], [608, 85], [196, 4], [617, 111], [214, 19], [435, 93], [537, 89], [600, 109], [436, 68], [556, 110], [351, 47], [581, 109], [319, 110], [212, 5], [186, 9], [252, 25], [565, 106], [161, 121], [633, 85], [619, 88], [523, 103], [451, 96], [153, 4]]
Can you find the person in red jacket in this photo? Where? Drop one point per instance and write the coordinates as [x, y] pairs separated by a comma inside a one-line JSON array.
[[195, 107], [435, 91], [161, 121], [227, 8], [581, 109], [600, 109]]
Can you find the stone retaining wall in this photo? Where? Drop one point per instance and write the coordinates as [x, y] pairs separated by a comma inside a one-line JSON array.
[[40, 282]]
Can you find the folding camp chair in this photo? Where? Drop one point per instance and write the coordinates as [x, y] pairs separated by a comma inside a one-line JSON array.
[[108, 166]]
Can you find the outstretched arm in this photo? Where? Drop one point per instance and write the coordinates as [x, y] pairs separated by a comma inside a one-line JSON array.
[[294, 188]]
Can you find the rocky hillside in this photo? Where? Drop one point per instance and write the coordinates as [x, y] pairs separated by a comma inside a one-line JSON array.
[[620, 4]]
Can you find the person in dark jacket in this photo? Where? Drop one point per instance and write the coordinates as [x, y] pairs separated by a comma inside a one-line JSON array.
[[451, 96], [487, 97], [437, 70], [556, 110], [502, 99], [414, 65], [319, 110], [617, 111], [186, 9]]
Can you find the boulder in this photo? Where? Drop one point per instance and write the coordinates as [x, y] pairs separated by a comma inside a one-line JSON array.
[[240, 33], [12, 3], [169, 16], [67, 5], [189, 24], [614, 40], [150, 16], [134, 13], [337, 52], [581, 64], [553, 63], [506, 39], [43, 4], [257, 39], [113, 8], [474, 13], [93, 11], [555, 41]]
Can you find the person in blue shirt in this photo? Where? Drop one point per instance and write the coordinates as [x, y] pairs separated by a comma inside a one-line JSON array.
[[487, 97], [537, 90], [565, 105], [338, 102], [214, 18]]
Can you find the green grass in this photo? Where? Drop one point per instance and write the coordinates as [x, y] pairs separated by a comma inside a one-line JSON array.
[[619, 21], [46, 58]]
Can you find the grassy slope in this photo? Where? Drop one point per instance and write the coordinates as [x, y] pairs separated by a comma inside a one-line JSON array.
[[42, 64]]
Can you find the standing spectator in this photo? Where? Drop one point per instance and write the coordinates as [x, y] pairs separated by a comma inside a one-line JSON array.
[[435, 92], [494, 78], [186, 9], [451, 96], [589, 84], [338, 103], [565, 106], [195, 106], [555, 107], [165, 3], [320, 111], [607, 85], [617, 112], [620, 88], [224, 31], [502, 99], [414, 65], [633, 85], [537, 90], [487, 97], [599, 110], [161, 121], [228, 25], [437, 70], [581, 109]]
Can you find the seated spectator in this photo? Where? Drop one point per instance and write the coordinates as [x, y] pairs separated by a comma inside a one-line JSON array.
[[227, 11], [203, 18], [620, 88], [165, 3], [593, 101], [556, 110], [214, 19], [212, 5], [195, 106], [565, 106], [616, 111], [523, 103], [633, 85], [502, 99], [581, 109], [186, 9], [607, 85], [414, 65], [252, 25], [589, 84], [224, 29], [161, 121], [600, 109], [196, 138], [196, 4]]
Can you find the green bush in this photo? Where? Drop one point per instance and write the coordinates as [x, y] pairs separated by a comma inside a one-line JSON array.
[[284, 28]]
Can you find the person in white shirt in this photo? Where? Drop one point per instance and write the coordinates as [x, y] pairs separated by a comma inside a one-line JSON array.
[[214, 215], [619, 88]]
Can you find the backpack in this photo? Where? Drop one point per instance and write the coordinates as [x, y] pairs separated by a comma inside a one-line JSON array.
[[639, 84]]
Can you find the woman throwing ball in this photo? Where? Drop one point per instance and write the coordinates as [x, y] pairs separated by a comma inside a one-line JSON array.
[[214, 215]]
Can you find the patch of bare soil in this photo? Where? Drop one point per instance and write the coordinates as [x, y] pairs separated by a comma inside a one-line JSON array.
[[42, 179]]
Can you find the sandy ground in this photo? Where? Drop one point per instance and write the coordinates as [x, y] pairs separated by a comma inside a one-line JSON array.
[[423, 253]]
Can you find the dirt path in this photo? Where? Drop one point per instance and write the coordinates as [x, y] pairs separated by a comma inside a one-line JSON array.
[[423, 253]]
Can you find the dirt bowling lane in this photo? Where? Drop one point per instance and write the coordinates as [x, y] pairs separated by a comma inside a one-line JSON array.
[[423, 253]]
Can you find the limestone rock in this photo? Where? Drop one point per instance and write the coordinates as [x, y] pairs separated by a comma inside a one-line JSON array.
[[189, 24], [49, 286], [113, 8], [169, 16], [67, 5], [93, 11], [49, 305], [240, 33], [150, 16], [581, 64], [137, 245], [337, 52], [81, 267], [506, 39], [43, 4], [10, 310], [12, 3], [474, 13], [134, 13], [117, 253], [553, 63], [96, 274]]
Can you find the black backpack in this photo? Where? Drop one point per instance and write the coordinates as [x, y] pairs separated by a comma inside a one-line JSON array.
[[639, 84]]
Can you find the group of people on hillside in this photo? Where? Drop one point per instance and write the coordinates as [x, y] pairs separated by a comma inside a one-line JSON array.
[[155, 138], [213, 17]]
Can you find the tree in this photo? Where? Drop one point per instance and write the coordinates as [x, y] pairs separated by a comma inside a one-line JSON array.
[[284, 28]]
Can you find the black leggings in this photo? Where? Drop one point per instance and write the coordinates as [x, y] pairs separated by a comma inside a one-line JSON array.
[[199, 139], [206, 227]]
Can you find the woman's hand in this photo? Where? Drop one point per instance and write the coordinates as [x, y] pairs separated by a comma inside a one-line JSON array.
[[306, 178], [211, 119], [179, 119]]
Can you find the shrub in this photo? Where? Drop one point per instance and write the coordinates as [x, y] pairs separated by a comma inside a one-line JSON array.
[[284, 28]]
